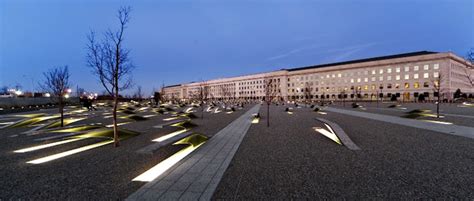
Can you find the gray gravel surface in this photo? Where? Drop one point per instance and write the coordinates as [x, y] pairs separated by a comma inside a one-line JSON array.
[[444, 109], [290, 160], [104, 173]]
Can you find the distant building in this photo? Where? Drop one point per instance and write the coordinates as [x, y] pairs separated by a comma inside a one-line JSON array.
[[405, 76]]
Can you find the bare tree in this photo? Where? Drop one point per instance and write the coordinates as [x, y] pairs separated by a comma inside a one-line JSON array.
[[343, 96], [110, 61], [469, 72], [203, 95], [306, 93], [57, 84], [225, 93], [437, 89], [139, 93], [270, 89]]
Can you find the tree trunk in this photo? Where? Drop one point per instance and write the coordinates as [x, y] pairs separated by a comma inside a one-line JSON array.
[[268, 114], [61, 111], [114, 113], [437, 105]]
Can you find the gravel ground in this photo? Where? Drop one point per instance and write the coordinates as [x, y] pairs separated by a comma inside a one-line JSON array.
[[103, 173], [290, 160], [444, 109]]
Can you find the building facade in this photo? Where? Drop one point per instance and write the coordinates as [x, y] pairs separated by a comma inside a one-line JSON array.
[[405, 77]]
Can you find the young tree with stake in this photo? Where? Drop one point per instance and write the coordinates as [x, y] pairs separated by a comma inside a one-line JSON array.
[[57, 84], [111, 63]]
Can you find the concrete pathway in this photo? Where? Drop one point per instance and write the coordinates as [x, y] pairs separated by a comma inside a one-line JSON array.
[[463, 131], [196, 177]]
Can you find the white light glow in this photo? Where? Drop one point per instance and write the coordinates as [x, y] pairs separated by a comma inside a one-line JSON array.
[[119, 124], [438, 122], [331, 135], [255, 120], [47, 95], [68, 153], [165, 137], [171, 118], [44, 146], [322, 113], [160, 168]]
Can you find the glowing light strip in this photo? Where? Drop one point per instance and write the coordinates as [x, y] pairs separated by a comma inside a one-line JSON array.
[[70, 152], [255, 120], [290, 112], [165, 137], [322, 113], [188, 110], [171, 118], [44, 146], [438, 122], [150, 115], [328, 134], [119, 124], [6, 123], [160, 168], [229, 112]]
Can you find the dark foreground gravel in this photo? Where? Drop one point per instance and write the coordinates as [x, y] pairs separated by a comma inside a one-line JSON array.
[[290, 160], [103, 173]]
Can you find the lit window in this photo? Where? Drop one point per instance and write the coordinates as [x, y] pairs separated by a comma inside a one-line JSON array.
[[407, 85], [397, 77], [339, 75], [358, 79], [426, 67], [389, 77], [407, 68], [426, 75], [352, 80], [436, 66], [366, 79], [415, 76], [416, 85], [366, 87], [380, 71], [373, 87], [327, 76], [373, 72], [397, 86], [397, 69], [373, 79], [389, 70], [416, 68], [436, 74], [407, 77], [381, 78], [333, 75]]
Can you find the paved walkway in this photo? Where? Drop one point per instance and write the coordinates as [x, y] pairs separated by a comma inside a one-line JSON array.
[[196, 177], [463, 131]]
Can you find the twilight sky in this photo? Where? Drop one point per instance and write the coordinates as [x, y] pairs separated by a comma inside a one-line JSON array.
[[174, 41]]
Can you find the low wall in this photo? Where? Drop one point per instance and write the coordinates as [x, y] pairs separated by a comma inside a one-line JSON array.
[[19, 102]]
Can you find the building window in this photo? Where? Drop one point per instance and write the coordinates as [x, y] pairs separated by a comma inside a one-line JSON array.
[[416, 68], [366, 79], [416, 85], [407, 68], [397, 86], [389, 77], [389, 70], [373, 87], [415, 76], [358, 79], [366, 87], [373, 72], [426, 75], [407, 77], [397, 69], [426, 84], [426, 67], [373, 79], [397, 77], [380, 71], [436, 74], [436, 66], [339, 75], [389, 86], [381, 78], [407, 85]]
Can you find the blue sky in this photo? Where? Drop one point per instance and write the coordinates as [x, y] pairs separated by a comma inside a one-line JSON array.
[[180, 41]]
